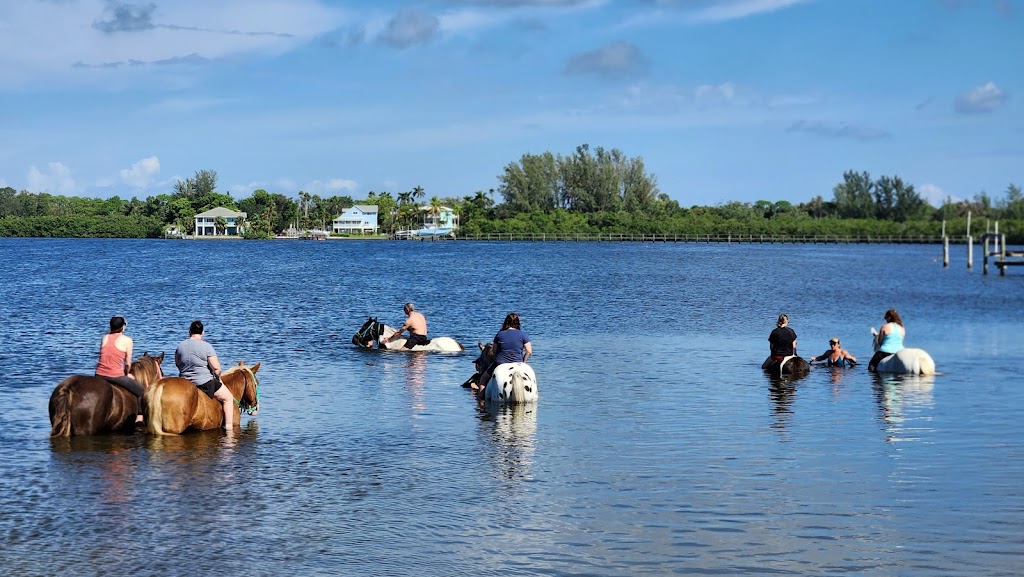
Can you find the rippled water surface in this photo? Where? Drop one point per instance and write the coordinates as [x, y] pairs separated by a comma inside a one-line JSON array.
[[658, 446]]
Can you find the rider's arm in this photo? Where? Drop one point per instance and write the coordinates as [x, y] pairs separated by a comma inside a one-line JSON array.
[[214, 365], [128, 357], [527, 351]]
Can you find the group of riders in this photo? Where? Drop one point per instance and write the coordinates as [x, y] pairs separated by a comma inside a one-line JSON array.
[[195, 358], [511, 344], [197, 361], [889, 340]]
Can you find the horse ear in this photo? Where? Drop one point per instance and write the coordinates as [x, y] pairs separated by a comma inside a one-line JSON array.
[[254, 368], [241, 363], [480, 344], [159, 359]]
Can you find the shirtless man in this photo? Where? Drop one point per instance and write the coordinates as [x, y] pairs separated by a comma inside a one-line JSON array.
[[416, 324]]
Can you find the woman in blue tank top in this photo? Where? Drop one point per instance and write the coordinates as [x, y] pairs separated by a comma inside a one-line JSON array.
[[889, 339], [836, 356]]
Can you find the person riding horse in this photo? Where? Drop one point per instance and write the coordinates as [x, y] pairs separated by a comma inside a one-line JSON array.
[[115, 361], [197, 361], [511, 345], [416, 324]]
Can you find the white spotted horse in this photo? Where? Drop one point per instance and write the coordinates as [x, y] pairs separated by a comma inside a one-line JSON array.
[[373, 331], [510, 383]]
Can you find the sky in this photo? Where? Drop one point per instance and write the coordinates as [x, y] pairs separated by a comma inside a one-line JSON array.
[[723, 100]]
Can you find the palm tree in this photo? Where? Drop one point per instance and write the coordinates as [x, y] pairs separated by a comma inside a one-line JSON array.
[[434, 209], [221, 224], [417, 193], [239, 224]]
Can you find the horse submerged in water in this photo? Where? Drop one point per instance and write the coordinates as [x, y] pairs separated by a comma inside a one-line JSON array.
[[87, 404], [906, 361], [173, 404], [373, 331], [791, 366], [510, 383]]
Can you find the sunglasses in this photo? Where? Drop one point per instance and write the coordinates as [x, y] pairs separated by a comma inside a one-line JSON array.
[[833, 342]]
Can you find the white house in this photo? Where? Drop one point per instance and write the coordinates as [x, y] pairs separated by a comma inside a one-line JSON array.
[[443, 222], [359, 218], [206, 222]]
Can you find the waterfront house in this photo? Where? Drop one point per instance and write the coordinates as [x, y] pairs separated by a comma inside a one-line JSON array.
[[440, 223], [361, 218], [206, 222]]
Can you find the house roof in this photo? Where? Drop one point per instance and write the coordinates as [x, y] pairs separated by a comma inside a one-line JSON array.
[[366, 207], [221, 211]]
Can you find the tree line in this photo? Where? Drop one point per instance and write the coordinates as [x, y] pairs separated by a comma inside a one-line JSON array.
[[589, 191]]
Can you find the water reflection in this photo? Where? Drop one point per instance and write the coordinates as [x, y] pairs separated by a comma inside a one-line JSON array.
[[415, 367], [509, 432], [896, 395], [782, 392]]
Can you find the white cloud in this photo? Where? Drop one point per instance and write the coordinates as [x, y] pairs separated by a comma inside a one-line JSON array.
[[980, 99], [3, 183], [56, 180], [332, 186], [934, 194], [141, 174], [736, 9]]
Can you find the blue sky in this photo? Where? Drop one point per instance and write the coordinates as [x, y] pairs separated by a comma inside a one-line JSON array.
[[723, 99]]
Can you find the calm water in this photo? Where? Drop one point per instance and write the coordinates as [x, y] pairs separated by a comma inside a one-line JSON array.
[[658, 446]]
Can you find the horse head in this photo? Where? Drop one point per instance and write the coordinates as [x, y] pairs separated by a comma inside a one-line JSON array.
[[244, 386], [485, 358], [146, 369], [369, 333]]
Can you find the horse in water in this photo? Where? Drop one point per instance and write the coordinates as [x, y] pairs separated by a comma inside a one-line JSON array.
[[907, 361], [373, 331], [511, 383], [791, 366], [174, 404], [87, 404]]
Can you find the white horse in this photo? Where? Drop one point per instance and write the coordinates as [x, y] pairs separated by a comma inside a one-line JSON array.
[[906, 361], [373, 331], [511, 383]]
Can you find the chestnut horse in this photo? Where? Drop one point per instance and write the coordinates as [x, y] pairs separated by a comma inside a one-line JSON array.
[[174, 404], [87, 404]]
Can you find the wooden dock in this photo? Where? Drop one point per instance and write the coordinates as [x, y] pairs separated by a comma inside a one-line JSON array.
[[1002, 257]]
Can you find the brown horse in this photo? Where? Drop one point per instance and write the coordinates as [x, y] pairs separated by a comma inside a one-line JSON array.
[[86, 405], [174, 404]]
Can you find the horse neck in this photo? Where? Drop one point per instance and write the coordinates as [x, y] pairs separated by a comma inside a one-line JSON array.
[[387, 332], [236, 381]]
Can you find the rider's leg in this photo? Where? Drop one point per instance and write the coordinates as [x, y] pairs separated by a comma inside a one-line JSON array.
[[228, 403]]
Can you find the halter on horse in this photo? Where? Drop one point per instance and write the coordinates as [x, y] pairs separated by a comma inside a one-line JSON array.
[[369, 334]]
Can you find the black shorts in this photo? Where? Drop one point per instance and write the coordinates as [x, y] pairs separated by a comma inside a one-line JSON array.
[[414, 340], [210, 387]]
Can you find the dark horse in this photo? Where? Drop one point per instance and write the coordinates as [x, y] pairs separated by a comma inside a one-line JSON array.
[[787, 366], [86, 405]]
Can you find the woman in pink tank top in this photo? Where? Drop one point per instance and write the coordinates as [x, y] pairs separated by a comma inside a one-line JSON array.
[[114, 361]]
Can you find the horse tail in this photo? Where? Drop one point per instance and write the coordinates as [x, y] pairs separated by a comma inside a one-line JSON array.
[[153, 408], [926, 365], [60, 410], [518, 393]]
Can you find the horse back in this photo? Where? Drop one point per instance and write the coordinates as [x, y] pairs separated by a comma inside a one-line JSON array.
[[86, 405], [172, 405]]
